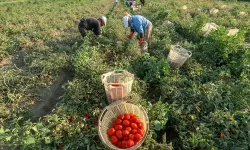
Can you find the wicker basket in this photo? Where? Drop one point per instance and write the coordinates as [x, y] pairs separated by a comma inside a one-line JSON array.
[[110, 113], [144, 47], [117, 84], [178, 55]]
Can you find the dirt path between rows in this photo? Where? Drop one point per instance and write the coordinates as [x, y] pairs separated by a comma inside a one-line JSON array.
[[52, 95], [16, 1]]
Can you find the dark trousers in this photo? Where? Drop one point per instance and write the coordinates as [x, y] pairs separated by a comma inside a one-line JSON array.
[[142, 2], [82, 26]]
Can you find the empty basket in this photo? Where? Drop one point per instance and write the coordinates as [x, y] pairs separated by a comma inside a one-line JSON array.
[[178, 55], [118, 84]]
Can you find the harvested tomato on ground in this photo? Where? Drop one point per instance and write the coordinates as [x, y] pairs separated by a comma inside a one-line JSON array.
[[126, 131]]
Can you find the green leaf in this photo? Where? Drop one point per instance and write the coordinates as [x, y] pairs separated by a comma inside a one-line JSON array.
[[214, 148], [8, 138], [154, 135], [93, 147], [157, 125], [47, 140], [30, 140], [86, 141], [34, 128], [39, 125], [1, 130]]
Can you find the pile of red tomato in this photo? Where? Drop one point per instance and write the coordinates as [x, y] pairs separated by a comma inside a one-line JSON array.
[[126, 131]]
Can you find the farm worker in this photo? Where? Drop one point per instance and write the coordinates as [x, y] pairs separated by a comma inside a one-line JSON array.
[[142, 2], [140, 25], [91, 24], [130, 3]]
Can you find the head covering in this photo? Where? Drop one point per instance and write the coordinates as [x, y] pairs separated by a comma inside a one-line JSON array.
[[104, 19], [125, 21]]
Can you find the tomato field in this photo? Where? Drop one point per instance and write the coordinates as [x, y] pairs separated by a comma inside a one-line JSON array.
[[51, 92]]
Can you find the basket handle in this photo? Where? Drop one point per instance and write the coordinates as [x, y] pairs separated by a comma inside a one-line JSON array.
[[119, 71], [103, 76], [101, 116], [189, 53]]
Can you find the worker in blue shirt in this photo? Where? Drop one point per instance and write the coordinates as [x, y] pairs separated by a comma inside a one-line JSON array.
[[139, 24]]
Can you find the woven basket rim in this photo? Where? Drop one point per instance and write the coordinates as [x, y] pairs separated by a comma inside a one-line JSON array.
[[115, 104], [103, 76]]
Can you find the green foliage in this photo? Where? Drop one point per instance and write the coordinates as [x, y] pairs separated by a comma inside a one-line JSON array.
[[191, 30], [159, 115], [220, 49], [150, 68], [87, 62], [33, 135], [202, 105]]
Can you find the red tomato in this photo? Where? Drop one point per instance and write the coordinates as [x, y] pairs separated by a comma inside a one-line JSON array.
[[131, 136], [124, 144], [140, 132], [71, 119], [125, 132], [118, 127], [118, 121], [133, 131], [115, 84], [130, 143], [119, 134], [135, 120], [137, 137], [119, 144], [128, 128], [111, 131], [126, 123], [113, 124], [134, 126], [114, 139], [132, 115], [126, 116], [140, 125], [125, 138], [121, 117], [59, 147]]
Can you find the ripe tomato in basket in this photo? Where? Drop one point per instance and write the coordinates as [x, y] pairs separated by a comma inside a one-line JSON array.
[[126, 116], [133, 131], [130, 143], [128, 128], [111, 131], [131, 136], [126, 123], [119, 144], [118, 127], [137, 137], [119, 134], [114, 139], [121, 117], [126, 131], [135, 120], [118, 121], [140, 125], [134, 126], [140, 131]]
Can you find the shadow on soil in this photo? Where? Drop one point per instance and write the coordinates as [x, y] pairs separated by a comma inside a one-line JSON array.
[[49, 96]]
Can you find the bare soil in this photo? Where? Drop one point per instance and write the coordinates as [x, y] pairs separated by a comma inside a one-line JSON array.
[[50, 96]]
